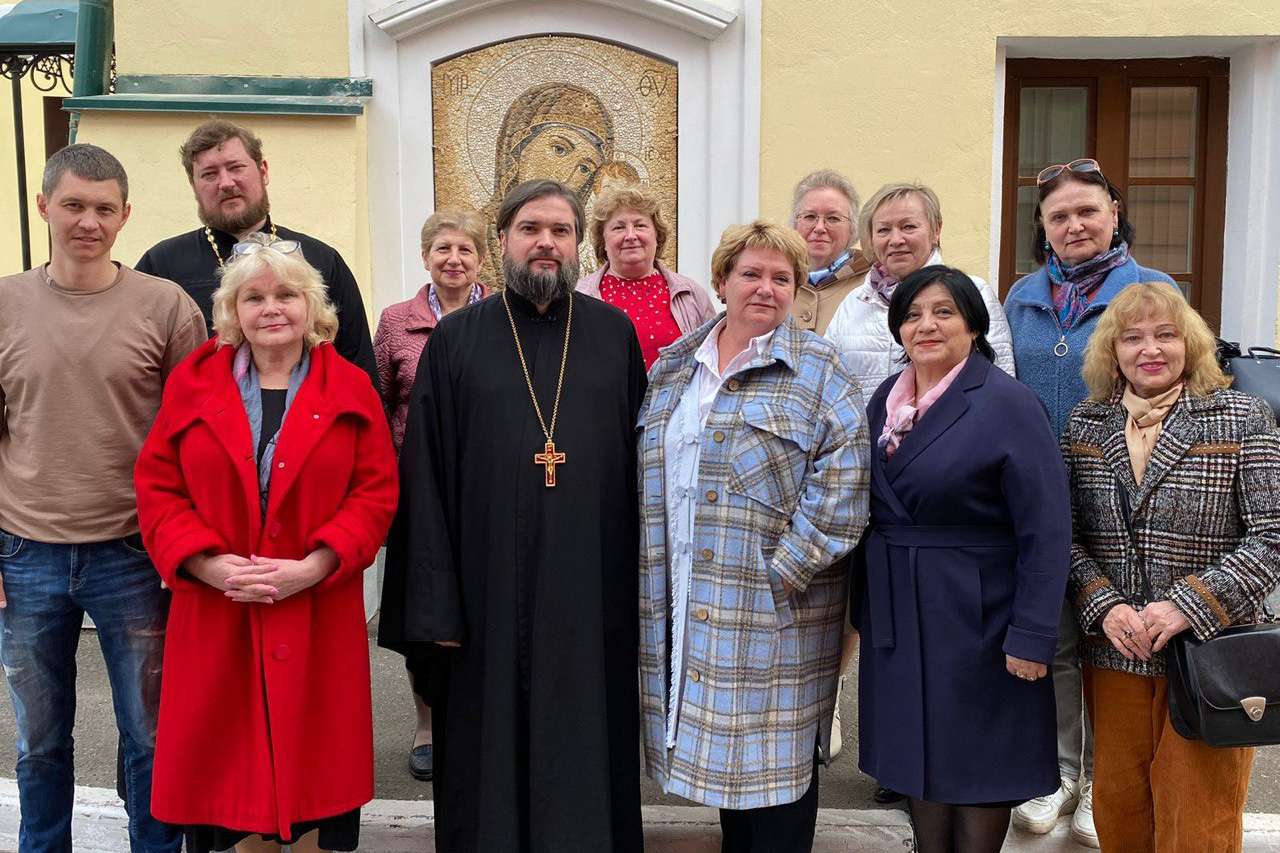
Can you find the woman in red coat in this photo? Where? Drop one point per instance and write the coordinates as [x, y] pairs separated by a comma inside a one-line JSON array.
[[264, 490]]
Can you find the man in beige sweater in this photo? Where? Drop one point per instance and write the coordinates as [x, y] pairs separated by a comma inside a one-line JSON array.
[[86, 344]]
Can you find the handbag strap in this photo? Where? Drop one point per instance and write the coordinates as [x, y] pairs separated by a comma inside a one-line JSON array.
[[1126, 515]]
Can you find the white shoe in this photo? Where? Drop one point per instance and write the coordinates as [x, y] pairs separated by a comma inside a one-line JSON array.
[[1038, 815], [1082, 830], [837, 742]]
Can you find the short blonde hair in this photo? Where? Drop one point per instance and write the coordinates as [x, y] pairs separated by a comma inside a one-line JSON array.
[[619, 197], [894, 192], [760, 234], [465, 221], [1101, 370], [291, 270], [828, 179]]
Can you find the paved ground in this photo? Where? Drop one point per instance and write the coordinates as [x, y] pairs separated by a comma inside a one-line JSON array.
[[396, 823], [842, 786], [399, 826]]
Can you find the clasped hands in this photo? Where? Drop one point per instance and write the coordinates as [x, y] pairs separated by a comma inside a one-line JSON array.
[[261, 580], [1142, 633]]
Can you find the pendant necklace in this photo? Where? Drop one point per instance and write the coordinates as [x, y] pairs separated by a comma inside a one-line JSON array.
[[213, 244], [549, 458]]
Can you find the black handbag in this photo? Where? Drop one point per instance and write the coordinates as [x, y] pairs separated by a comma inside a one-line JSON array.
[[1256, 372], [1224, 691]]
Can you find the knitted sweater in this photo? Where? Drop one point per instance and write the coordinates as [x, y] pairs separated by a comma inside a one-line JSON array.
[[1034, 324]]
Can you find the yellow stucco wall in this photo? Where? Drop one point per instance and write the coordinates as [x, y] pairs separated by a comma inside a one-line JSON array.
[[315, 163], [867, 90], [33, 131], [903, 91], [319, 181], [291, 38]]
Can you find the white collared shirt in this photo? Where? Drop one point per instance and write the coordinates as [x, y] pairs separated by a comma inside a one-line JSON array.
[[682, 445]]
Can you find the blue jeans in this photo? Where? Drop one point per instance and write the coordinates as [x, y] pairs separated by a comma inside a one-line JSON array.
[[49, 588]]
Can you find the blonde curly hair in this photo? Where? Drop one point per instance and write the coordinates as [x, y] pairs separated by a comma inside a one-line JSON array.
[[289, 269], [1101, 370]]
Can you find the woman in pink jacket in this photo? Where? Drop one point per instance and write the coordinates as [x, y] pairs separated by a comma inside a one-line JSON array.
[[452, 250]]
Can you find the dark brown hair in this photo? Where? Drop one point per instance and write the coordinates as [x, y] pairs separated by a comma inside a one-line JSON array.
[[963, 292], [213, 133], [1124, 227], [523, 193]]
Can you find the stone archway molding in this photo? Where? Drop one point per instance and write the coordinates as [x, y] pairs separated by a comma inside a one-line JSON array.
[[701, 18]]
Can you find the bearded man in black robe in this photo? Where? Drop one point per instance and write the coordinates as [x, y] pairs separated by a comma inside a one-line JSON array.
[[514, 554]]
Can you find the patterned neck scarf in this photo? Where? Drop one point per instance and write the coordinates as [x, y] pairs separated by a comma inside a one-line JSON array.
[[882, 282], [1076, 286], [830, 269], [1143, 426], [433, 299]]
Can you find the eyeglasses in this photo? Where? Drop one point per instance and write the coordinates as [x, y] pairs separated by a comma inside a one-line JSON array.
[[252, 247], [831, 220], [1084, 164]]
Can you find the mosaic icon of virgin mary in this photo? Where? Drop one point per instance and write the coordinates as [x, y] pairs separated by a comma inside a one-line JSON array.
[[553, 130]]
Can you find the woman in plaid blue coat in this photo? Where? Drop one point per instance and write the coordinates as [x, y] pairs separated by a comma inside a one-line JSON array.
[[753, 468]]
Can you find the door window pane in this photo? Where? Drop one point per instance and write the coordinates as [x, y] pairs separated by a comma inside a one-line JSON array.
[[1052, 127], [1025, 262], [1162, 131], [1163, 217]]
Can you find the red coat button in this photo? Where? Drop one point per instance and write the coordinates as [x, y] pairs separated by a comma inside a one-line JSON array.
[[274, 530], [281, 652]]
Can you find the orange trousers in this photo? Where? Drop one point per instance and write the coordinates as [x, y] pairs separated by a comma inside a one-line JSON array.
[[1154, 791]]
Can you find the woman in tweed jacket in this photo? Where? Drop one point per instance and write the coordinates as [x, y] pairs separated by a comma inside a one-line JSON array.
[[753, 482], [1199, 468]]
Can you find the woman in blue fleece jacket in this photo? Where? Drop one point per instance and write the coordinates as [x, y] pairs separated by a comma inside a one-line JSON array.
[[1082, 240]]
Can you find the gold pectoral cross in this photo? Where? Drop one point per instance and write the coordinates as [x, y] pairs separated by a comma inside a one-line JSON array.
[[549, 459]]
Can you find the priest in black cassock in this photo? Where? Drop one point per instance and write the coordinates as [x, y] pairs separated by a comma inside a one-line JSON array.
[[514, 552], [229, 177]]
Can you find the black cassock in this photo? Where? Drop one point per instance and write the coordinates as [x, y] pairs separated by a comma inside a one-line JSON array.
[[536, 713], [188, 259]]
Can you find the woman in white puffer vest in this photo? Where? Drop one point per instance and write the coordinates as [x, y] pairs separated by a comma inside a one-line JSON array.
[[900, 227]]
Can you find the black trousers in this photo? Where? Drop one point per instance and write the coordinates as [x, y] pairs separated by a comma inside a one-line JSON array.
[[787, 828]]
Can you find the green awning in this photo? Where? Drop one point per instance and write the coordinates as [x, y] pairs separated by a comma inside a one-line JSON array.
[[39, 26], [194, 93]]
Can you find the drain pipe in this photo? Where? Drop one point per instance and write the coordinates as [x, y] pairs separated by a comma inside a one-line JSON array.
[[95, 37]]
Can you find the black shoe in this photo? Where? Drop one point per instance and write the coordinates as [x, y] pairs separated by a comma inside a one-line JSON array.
[[884, 796], [420, 763]]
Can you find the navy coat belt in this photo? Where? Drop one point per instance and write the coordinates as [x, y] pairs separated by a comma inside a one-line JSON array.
[[914, 537]]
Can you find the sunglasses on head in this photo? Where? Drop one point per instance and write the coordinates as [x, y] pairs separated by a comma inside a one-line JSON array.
[[1084, 164], [252, 247]]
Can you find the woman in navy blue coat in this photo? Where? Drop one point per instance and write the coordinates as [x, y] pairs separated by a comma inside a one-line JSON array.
[[965, 561]]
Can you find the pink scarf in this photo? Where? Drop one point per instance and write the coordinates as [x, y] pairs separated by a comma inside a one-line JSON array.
[[903, 411]]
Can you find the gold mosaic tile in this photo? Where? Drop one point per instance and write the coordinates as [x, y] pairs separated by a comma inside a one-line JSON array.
[[579, 110]]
